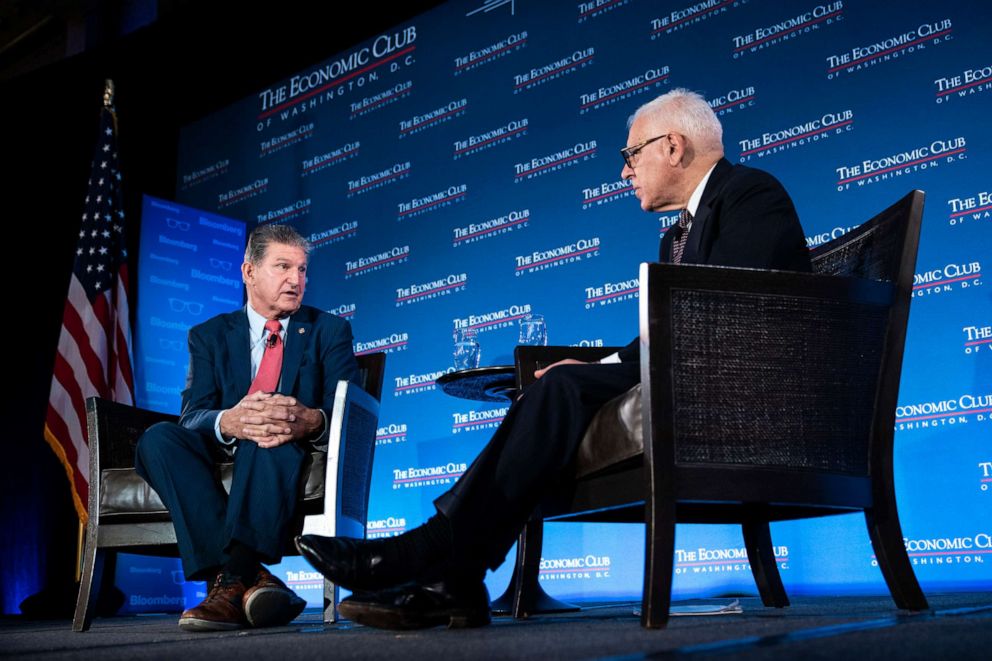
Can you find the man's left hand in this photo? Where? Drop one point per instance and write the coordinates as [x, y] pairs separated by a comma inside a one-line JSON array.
[[280, 419]]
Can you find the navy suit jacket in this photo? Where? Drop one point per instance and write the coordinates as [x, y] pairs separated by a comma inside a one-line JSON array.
[[745, 218], [317, 353]]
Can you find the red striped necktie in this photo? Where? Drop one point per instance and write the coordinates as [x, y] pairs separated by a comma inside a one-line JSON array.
[[267, 378]]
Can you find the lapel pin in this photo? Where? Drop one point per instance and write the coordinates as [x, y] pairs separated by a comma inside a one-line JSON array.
[[301, 331]]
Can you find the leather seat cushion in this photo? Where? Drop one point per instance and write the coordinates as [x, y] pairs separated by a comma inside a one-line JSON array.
[[614, 435], [124, 492]]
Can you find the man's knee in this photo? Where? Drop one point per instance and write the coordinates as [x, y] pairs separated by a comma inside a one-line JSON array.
[[161, 441]]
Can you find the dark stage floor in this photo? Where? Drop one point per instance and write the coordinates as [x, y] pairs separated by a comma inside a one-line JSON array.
[[841, 629]]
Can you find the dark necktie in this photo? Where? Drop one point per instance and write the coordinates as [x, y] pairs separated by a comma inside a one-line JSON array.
[[678, 245], [267, 377]]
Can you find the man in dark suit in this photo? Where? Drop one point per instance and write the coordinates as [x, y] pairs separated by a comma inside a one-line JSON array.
[[730, 216], [260, 388]]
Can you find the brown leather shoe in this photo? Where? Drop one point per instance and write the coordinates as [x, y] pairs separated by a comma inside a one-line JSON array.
[[222, 610], [269, 603]]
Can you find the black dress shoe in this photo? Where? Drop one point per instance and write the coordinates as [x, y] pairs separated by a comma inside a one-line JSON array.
[[354, 564], [415, 606]]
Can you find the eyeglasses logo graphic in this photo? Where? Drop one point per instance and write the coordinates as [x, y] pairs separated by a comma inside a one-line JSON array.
[[175, 224], [170, 345], [179, 305], [220, 264]]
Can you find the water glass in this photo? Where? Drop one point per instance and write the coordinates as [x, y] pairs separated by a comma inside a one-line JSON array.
[[467, 350], [533, 330]]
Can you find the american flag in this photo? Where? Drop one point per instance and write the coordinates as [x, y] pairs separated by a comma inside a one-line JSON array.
[[94, 352]]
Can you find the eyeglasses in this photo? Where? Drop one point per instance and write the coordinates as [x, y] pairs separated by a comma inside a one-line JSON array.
[[630, 153]]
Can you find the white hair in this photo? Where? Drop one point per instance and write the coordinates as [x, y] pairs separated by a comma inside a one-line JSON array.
[[685, 112]]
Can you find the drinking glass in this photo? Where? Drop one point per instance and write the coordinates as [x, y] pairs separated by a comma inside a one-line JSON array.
[[467, 350], [533, 330]]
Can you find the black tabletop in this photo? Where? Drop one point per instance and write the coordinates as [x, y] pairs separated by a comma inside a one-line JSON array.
[[481, 384]]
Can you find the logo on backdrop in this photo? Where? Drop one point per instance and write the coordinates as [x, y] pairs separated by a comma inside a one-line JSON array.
[[985, 475], [863, 57], [609, 293], [596, 8], [564, 66], [370, 182], [566, 158], [598, 342], [540, 260], [381, 99], [680, 19], [926, 415], [323, 161], [377, 262], [388, 527], [417, 383], [388, 344], [918, 159], [495, 320], [300, 580], [800, 135], [242, 193], [423, 291], [969, 209], [419, 206], [427, 476], [734, 559], [391, 434], [666, 222], [477, 58], [212, 171], [440, 115], [825, 237], [950, 278], [291, 211], [475, 420], [734, 100], [487, 140], [489, 228], [964, 84], [977, 339], [355, 69], [581, 567], [972, 549], [345, 310], [789, 28], [625, 89], [606, 192], [280, 142], [335, 234]]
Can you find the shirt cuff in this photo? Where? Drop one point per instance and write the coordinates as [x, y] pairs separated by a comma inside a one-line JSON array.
[[612, 358], [220, 437], [322, 440]]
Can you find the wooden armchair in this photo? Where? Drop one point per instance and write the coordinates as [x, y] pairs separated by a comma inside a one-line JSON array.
[[125, 514], [764, 396]]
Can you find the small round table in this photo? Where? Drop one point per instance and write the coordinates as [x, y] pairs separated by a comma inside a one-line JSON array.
[[498, 384]]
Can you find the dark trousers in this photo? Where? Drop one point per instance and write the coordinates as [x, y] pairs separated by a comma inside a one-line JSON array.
[[181, 466], [532, 450]]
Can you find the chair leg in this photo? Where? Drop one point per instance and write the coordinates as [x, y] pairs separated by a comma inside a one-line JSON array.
[[659, 565], [528, 565], [890, 552], [760, 554], [331, 597], [90, 580]]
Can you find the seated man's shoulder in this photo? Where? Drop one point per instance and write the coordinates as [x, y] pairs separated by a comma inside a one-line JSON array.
[[317, 317], [220, 323]]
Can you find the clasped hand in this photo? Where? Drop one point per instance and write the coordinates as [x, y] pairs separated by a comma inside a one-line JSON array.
[[270, 420]]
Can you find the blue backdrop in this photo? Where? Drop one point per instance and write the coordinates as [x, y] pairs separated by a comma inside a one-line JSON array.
[[462, 170]]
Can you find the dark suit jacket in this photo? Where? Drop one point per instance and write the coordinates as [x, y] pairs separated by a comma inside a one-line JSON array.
[[318, 353], [745, 218]]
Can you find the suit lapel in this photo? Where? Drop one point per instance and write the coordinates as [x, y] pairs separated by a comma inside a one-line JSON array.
[[704, 212], [239, 349], [298, 334]]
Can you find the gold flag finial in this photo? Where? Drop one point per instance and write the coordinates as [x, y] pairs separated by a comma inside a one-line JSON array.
[[108, 94]]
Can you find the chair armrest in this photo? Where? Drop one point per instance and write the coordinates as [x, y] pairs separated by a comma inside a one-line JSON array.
[[350, 452], [745, 366], [527, 358]]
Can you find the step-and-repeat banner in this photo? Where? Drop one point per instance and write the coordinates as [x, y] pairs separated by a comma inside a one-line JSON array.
[[461, 171]]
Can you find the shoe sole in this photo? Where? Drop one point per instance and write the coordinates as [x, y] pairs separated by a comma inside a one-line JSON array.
[[197, 624], [385, 617], [273, 607]]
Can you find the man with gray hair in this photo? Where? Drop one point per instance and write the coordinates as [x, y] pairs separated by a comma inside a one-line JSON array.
[[729, 216], [260, 389]]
